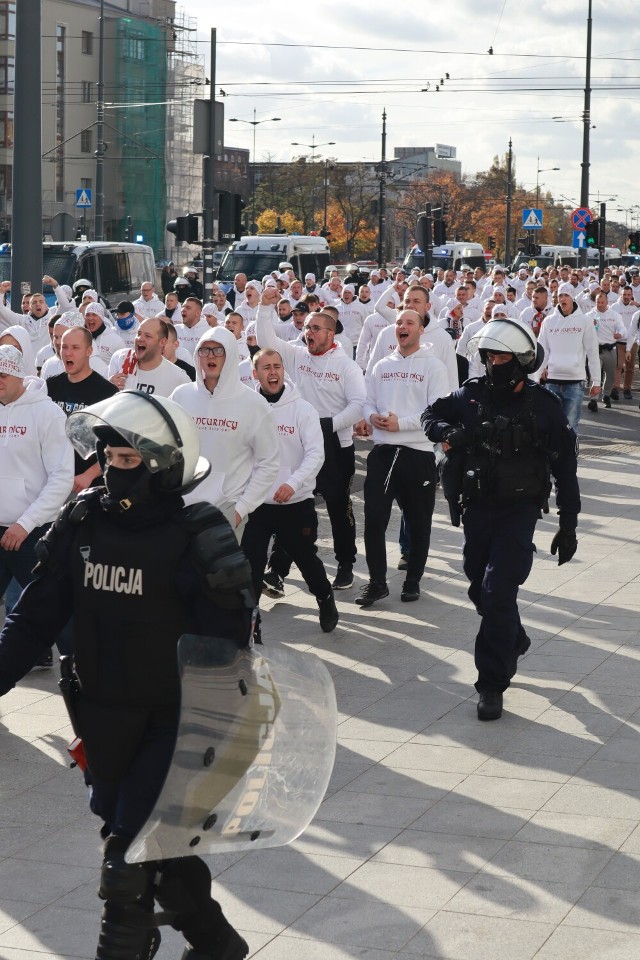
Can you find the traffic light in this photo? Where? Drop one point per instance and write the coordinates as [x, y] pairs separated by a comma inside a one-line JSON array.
[[592, 231], [523, 244], [230, 207], [492, 243], [128, 231], [634, 242], [423, 232], [185, 228], [534, 249], [439, 232]]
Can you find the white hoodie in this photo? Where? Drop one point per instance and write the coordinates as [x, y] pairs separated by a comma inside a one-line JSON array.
[[332, 382], [567, 343], [372, 326], [36, 459], [405, 386], [38, 330], [443, 348], [300, 444], [237, 433]]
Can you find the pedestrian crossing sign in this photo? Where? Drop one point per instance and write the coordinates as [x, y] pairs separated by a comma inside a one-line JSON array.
[[532, 218], [83, 197]]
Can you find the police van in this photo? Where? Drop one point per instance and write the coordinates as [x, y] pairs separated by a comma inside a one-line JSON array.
[[449, 256], [554, 255], [116, 270], [257, 256]]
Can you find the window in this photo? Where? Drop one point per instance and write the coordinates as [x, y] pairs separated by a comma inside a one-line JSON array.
[[7, 74], [6, 128], [86, 141], [7, 20], [87, 91], [87, 42], [86, 183], [114, 273], [133, 48]]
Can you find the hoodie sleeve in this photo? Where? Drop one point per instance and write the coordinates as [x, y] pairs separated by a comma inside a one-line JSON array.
[[592, 350], [266, 461], [364, 343], [8, 318], [63, 300], [57, 459], [268, 338], [313, 446], [355, 393]]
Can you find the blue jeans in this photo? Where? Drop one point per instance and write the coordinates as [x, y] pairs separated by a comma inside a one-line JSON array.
[[571, 396]]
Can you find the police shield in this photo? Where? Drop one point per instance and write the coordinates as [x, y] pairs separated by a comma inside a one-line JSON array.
[[254, 752]]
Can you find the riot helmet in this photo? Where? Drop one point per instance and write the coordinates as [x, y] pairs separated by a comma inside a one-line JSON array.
[[157, 428], [508, 336]]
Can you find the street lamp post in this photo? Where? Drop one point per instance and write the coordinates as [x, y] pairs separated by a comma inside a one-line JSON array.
[[539, 170], [254, 123], [313, 146]]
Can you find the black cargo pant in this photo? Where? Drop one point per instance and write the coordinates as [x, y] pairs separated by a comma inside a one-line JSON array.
[[295, 526], [407, 476], [335, 490], [498, 556]]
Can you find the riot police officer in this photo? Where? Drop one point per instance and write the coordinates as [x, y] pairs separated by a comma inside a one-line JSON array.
[[137, 569], [504, 436]]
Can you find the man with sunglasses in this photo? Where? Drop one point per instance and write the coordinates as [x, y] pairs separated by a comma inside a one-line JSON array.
[[333, 384]]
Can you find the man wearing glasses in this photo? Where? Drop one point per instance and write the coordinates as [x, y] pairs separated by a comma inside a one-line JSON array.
[[333, 384], [238, 434]]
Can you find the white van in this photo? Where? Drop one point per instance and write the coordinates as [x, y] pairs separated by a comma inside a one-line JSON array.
[[450, 256], [116, 270], [257, 256]]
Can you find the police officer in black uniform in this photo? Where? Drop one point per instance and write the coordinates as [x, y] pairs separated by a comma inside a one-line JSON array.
[[137, 569], [504, 437]]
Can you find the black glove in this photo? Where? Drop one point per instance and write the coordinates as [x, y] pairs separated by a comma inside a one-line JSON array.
[[456, 437], [565, 544]]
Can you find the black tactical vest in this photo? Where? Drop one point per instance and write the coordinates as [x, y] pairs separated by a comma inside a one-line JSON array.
[[128, 615]]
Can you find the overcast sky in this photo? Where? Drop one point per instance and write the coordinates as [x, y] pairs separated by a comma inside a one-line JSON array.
[[320, 85]]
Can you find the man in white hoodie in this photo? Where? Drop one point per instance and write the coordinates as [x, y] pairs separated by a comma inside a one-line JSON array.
[[237, 431], [442, 346], [402, 464], [569, 340], [289, 511], [332, 382], [36, 322], [36, 466]]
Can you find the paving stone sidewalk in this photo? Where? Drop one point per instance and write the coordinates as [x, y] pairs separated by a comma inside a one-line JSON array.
[[440, 837]]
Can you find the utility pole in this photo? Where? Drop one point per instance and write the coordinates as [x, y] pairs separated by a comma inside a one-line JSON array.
[[26, 227], [586, 132], [99, 217], [382, 201], [602, 239], [428, 247], [507, 232], [208, 179]]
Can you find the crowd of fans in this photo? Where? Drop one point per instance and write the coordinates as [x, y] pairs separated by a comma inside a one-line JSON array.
[[279, 376]]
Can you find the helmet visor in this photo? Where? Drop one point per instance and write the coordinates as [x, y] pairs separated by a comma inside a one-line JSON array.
[[141, 425]]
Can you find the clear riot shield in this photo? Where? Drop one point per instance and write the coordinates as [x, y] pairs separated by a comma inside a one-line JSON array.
[[255, 749]]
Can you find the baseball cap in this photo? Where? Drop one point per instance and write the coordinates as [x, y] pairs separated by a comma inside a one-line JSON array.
[[301, 307]]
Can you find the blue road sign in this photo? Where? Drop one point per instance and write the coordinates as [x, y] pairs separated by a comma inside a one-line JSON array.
[[579, 239], [532, 218], [83, 197]]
